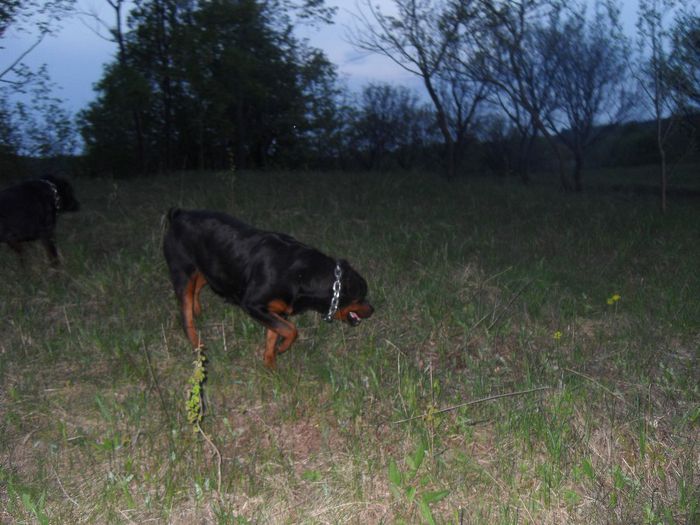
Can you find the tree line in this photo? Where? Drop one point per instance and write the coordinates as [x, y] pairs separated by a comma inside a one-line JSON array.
[[228, 83]]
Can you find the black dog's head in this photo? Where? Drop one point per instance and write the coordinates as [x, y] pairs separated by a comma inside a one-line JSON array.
[[353, 307], [65, 199]]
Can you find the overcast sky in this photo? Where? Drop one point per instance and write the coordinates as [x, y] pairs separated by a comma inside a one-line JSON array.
[[75, 55]]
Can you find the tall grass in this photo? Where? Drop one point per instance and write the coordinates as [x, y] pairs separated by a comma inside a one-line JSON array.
[[479, 289]]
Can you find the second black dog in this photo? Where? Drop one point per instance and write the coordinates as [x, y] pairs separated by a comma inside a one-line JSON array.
[[28, 212]]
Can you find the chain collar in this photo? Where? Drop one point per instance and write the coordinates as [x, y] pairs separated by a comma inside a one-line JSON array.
[[338, 273], [54, 191]]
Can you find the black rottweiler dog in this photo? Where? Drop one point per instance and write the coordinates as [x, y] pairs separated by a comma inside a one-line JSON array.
[[28, 212], [269, 275]]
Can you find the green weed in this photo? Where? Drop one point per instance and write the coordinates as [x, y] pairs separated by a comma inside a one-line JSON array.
[[410, 488]]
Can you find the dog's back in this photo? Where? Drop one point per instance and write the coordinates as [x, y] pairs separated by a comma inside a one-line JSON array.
[[230, 253], [213, 243]]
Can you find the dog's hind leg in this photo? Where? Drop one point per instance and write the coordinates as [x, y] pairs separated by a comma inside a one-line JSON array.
[[200, 281], [190, 306], [185, 286], [187, 282]]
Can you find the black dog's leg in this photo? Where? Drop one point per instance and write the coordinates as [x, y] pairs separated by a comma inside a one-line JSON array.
[[187, 293], [187, 283], [17, 248], [200, 281], [51, 251]]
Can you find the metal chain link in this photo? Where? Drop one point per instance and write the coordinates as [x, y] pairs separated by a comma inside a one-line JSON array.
[[54, 191], [338, 273]]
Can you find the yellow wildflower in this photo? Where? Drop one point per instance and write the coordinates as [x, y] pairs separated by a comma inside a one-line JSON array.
[[614, 298]]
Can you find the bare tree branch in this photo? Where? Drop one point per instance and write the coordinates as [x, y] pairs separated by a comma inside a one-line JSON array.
[[9, 69], [419, 39]]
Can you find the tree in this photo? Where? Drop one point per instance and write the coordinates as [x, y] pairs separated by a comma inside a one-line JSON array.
[[209, 80], [34, 17], [653, 39], [9, 141], [35, 124], [379, 125], [47, 130], [590, 78], [684, 60], [322, 139], [523, 130], [116, 34], [462, 92], [418, 39], [112, 143], [385, 126], [518, 57]]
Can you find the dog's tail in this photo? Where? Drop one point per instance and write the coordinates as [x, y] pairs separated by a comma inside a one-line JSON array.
[[167, 219]]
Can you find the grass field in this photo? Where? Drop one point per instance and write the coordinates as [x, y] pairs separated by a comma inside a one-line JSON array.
[[584, 307]]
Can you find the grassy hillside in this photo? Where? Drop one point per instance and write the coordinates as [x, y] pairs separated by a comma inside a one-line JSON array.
[[584, 307]]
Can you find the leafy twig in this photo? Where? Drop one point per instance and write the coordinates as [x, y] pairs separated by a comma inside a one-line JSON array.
[[195, 407]]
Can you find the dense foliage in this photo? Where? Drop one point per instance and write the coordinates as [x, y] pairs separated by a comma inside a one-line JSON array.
[[203, 84]]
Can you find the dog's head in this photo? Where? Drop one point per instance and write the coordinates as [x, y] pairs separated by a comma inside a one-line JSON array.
[[353, 306], [66, 200]]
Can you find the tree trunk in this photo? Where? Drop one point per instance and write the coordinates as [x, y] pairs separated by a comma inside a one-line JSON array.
[[451, 165], [525, 147], [578, 170], [444, 128], [539, 125], [664, 179], [563, 180], [239, 144]]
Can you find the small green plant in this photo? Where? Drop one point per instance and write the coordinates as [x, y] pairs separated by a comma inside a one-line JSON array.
[[35, 506], [32, 503], [623, 486], [195, 407], [405, 486]]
